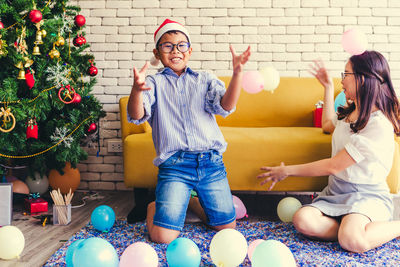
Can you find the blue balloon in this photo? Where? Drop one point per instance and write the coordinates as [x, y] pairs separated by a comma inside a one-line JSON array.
[[103, 218], [183, 252], [95, 252], [71, 251], [340, 100], [272, 253]]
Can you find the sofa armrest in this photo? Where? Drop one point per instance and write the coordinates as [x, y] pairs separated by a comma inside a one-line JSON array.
[[128, 128], [393, 179]]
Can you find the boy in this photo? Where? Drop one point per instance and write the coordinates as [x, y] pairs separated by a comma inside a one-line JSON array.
[[180, 104]]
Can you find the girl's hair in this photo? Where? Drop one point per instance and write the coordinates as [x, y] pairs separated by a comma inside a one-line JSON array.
[[373, 87]]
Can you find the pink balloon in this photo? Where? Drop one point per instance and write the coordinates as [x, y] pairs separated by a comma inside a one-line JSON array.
[[239, 207], [253, 82], [354, 42], [139, 254], [253, 246]]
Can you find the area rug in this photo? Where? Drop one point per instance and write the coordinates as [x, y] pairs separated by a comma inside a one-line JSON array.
[[305, 251]]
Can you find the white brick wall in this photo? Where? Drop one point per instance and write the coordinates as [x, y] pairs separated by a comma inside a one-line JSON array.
[[287, 34]]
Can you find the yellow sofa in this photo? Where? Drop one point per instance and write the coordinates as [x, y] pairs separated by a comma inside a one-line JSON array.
[[266, 129]]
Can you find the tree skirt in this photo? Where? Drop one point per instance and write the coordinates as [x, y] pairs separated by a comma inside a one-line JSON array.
[[305, 251]]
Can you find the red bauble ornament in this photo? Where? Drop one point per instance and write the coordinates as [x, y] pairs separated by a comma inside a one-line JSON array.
[[29, 79], [92, 71], [35, 16], [83, 40], [32, 129], [1, 25], [92, 128], [77, 98], [80, 20], [79, 40]]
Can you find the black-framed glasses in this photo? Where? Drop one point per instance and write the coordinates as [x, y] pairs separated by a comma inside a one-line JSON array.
[[168, 47], [344, 74]]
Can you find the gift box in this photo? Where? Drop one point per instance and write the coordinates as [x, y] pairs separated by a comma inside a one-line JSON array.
[[35, 204], [318, 114], [6, 196]]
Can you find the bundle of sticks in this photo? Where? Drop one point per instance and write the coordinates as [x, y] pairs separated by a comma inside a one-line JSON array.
[[61, 205]]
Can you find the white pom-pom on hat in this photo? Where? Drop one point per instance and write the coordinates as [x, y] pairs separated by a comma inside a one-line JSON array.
[[154, 61]]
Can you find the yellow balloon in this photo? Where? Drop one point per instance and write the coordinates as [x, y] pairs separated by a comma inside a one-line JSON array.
[[287, 208], [271, 78], [12, 242], [228, 248]]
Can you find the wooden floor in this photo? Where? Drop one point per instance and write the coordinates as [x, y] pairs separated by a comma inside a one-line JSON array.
[[41, 242]]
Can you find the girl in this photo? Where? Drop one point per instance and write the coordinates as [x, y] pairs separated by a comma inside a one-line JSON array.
[[356, 207]]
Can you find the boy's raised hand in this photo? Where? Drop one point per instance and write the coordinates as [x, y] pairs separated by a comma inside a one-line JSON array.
[[139, 78], [239, 60]]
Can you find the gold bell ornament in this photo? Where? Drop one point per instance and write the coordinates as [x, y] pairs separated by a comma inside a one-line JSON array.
[[44, 33], [54, 53], [21, 73], [28, 62], [36, 50], [60, 41], [39, 39]]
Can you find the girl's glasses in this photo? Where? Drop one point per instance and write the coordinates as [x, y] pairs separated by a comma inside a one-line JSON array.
[[168, 47], [344, 74]]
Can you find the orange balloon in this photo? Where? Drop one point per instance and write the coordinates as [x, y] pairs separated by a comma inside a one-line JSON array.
[[20, 187], [69, 180]]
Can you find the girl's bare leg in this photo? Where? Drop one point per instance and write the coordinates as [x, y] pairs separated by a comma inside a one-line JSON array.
[[358, 234], [312, 223]]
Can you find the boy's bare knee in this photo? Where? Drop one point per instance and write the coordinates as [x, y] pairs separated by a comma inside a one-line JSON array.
[[231, 225], [151, 206], [163, 235]]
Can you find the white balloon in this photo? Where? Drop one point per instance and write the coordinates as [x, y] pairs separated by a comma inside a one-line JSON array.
[[271, 78], [12, 242], [228, 248], [287, 207], [38, 184]]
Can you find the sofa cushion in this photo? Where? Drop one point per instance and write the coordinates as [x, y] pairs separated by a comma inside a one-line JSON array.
[[250, 148]]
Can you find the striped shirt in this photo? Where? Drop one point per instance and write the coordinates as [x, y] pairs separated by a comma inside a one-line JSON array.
[[180, 110]]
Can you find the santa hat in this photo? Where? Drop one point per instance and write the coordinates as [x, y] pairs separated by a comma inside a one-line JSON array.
[[167, 26]]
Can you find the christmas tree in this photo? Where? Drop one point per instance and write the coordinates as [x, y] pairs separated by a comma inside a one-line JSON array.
[[46, 79]]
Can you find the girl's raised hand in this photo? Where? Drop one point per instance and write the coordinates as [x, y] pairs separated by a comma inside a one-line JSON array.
[[239, 60], [319, 71], [139, 78], [272, 174]]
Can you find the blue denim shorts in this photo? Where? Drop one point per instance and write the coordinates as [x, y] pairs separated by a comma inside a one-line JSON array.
[[205, 173]]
